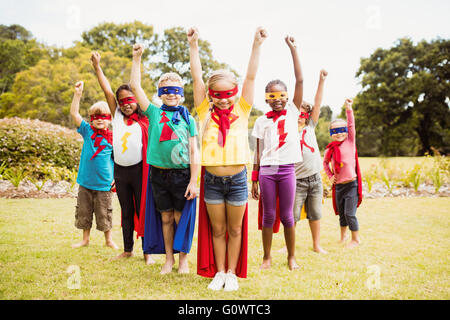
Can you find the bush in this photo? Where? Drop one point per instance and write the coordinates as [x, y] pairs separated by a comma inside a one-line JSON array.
[[36, 145]]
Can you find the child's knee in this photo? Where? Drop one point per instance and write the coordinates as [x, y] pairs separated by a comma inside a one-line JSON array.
[[167, 217]]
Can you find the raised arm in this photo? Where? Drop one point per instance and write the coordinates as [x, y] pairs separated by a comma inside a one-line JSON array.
[[196, 67], [298, 92], [248, 87], [75, 106], [104, 83], [350, 119], [315, 112], [135, 82]]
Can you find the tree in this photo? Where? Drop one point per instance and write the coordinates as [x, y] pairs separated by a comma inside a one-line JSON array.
[[18, 51], [403, 106], [14, 32], [326, 113], [45, 91], [120, 38]]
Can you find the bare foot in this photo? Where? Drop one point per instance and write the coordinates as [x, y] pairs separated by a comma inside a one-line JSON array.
[[167, 267], [81, 244], [352, 244], [319, 249], [149, 259], [292, 263], [111, 244], [266, 264], [343, 240], [123, 255], [183, 266]]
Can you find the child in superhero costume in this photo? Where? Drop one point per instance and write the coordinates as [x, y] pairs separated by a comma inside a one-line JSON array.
[[345, 174]]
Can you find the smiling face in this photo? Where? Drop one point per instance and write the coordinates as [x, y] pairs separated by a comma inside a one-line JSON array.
[[171, 99], [129, 108], [224, 102], [279, 103], [339, 136]]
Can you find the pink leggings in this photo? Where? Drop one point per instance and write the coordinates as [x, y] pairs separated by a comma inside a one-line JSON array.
[[271, 179]]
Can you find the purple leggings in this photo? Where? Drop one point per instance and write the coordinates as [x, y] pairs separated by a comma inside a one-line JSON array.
[[282, 178]]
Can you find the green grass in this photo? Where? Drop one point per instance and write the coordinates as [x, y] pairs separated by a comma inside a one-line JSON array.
[[407, 240]]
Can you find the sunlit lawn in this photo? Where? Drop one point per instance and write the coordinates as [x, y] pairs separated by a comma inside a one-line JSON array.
[[404, 255]]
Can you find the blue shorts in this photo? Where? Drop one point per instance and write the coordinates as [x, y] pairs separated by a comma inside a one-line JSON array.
[[230, 189]]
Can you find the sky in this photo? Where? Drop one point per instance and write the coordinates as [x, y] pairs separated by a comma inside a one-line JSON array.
[[331, 35]]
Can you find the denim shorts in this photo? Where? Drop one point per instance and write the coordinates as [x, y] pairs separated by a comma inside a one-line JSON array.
[[169, 187], [309, 192], [230, 189]]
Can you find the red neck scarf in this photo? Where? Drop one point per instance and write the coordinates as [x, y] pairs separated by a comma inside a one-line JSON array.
[[98, 136], [275, 114], [224, 123], [335, 153], [132, 118]]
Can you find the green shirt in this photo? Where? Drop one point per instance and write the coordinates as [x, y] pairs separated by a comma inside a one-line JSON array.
[[170, 153]]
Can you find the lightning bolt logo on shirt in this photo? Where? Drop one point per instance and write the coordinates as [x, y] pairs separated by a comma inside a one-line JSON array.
[[125, 140], [281, 134]]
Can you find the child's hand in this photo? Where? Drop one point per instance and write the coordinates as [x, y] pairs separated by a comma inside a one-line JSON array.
[[191, 191], [95, 58], [255, 190], [348, 103], [79, 88], [333, 179], [291, 42], [260, 35], [323, 74], [192, 35], [138, 50]]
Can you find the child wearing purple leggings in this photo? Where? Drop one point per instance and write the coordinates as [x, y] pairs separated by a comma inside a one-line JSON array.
[[277, 150]]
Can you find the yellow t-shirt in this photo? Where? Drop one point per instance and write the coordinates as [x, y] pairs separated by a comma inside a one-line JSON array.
[[236, 150]]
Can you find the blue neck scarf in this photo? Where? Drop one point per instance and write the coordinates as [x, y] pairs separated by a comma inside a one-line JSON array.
[[178, 112]]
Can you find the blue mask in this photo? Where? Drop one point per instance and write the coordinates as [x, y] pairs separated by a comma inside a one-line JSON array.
[[338, 130], [170, 90]]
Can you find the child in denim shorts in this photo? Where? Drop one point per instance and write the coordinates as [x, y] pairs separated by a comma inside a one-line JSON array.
[[225, 152], [96, 170], [309, 190]]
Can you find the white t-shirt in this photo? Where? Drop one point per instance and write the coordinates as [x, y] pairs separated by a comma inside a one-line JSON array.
[[127, 141], [312, 162], [279, 148]]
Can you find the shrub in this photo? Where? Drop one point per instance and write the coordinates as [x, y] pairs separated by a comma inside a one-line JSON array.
[[34, 145]]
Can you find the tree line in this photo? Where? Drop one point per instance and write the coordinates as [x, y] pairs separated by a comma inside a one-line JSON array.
[[402, 109]]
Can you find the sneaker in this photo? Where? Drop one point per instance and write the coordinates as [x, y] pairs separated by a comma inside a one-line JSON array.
[[231, 283], [218, 282]]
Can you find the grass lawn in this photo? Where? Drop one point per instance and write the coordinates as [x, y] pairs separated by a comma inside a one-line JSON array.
[[404, 255]]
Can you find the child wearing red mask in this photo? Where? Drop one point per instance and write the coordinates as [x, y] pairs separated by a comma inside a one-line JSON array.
[[95, 172], [130, 133]]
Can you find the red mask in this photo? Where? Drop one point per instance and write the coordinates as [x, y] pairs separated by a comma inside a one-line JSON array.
[[100, 116], [223, 94], [304, 115], [127, 100]]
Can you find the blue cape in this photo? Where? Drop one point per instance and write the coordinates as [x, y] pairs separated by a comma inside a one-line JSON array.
[[153, 242]]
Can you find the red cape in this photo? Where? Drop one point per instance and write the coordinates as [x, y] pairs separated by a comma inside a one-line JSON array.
[[139, 220], [206, 265], [358, 174]]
